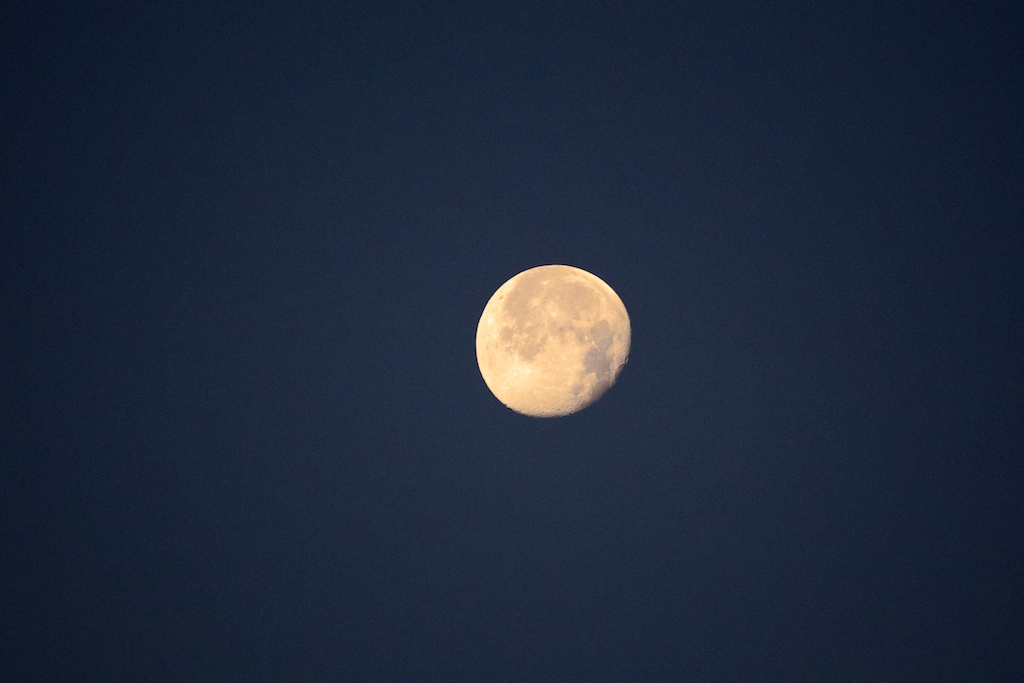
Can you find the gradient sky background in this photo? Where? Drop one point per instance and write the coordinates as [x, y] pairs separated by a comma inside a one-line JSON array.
[[244, 251]]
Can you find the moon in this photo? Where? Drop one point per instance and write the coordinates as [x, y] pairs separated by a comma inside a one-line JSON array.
[[552, 340]]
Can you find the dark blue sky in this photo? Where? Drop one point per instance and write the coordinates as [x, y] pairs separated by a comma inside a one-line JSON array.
[[243, 255]]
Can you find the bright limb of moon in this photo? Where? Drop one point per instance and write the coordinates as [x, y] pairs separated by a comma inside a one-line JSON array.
[[552, 340]]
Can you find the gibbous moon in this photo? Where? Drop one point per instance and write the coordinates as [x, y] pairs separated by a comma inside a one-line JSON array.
[[552, 340]]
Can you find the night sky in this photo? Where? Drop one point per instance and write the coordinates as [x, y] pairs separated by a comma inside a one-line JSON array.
[[243, 253]]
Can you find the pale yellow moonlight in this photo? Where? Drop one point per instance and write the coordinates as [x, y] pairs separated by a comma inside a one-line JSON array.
[[552, 340]]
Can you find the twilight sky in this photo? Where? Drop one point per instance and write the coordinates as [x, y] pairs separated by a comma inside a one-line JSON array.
[[243, 254]]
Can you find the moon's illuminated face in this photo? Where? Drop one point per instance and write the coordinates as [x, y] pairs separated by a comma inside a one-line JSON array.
[[552, 340]]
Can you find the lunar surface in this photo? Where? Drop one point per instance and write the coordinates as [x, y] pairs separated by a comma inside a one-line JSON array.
[[552, 340]]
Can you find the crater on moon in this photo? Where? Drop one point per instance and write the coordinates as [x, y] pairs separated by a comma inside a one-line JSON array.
[[552, 340]]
